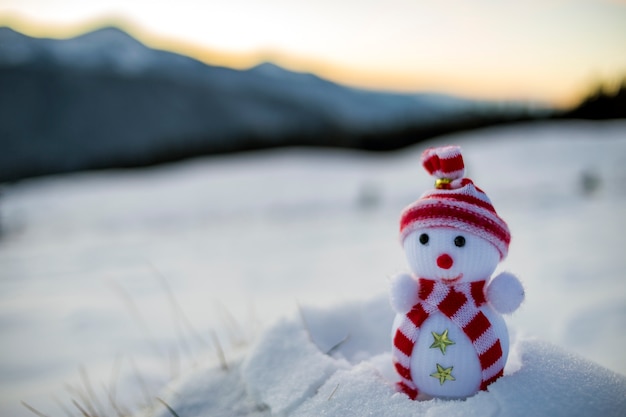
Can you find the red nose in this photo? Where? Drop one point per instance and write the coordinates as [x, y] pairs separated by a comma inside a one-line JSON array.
[[444, 261]]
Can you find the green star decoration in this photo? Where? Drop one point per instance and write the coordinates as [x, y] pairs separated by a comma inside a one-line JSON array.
[[441, 341], [443, 374]]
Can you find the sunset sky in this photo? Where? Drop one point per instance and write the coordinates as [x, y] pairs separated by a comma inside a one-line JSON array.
[[545, 50]]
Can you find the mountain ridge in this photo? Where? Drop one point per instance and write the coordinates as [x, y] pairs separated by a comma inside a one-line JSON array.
[[103, 99]]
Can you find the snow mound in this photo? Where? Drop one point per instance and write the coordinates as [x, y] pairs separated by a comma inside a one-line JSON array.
[[297, 368], [332, 363]]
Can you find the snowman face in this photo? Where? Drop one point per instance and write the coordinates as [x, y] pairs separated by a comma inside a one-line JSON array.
[[450, 255]]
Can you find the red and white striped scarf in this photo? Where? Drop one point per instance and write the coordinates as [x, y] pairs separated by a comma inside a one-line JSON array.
[[460, 303]]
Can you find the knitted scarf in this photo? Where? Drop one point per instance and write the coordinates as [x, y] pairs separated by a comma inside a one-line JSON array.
[[460, 303]]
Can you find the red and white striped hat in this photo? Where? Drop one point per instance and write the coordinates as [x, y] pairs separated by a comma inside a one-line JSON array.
[[454, 202]]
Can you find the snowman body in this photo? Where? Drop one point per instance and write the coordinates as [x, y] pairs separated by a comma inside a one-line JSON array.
[[444, 361], [460, 356]]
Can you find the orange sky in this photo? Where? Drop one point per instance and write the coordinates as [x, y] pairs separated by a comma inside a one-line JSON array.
[[550, 50]]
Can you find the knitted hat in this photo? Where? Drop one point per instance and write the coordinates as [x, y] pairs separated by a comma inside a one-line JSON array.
[[454, 202]]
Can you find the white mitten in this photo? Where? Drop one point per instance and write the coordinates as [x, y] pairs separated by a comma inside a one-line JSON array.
[[403, 293], [505, 293]]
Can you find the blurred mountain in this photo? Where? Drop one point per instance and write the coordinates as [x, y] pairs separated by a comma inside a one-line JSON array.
[[103, 99]]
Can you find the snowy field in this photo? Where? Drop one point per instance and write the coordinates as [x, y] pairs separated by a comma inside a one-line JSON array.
[[120, 282]]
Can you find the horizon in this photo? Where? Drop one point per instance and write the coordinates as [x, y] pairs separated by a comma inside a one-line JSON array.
[[553, 63]]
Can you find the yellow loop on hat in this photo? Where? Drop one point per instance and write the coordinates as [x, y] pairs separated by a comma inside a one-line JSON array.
[[442, 182]]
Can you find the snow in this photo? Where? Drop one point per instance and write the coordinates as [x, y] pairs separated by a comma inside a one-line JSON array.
[[299, 368], [282, 258], [287, 373]]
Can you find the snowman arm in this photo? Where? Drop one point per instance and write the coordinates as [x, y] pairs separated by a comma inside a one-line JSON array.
[[403, 291], [505, 293]]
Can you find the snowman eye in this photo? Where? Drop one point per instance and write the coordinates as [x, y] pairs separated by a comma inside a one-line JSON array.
[[459, 241], [424, 238]]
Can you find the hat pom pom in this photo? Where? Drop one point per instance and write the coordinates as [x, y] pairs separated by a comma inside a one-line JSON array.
[[444, 163]]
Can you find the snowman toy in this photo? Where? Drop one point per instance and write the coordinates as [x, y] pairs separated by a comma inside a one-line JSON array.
[[449, 338]]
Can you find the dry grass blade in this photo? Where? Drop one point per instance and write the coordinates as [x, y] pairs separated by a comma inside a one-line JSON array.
[[96, 408], [338, 345], [115, 375], [66, 411], [220, 351], [111, 391], [304, 323], [81, 409], [234, 329], [137, 316], [113, 402], [170, 409], [178, 309], [83, 397], [332, 393], [178, 315], [33, 409]]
